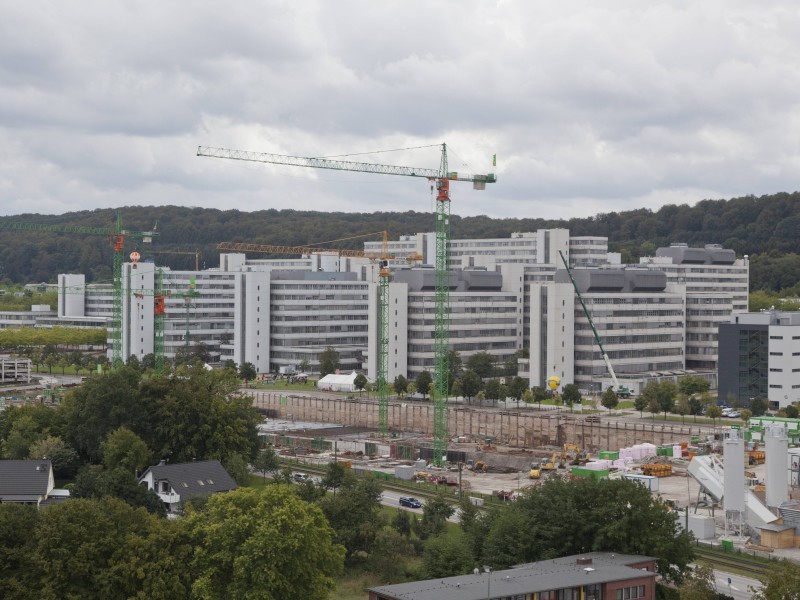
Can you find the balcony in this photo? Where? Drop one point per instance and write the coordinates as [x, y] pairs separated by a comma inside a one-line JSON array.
[[169, 497]]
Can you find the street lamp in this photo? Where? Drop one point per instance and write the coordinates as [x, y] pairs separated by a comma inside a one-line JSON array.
[[488, 570]]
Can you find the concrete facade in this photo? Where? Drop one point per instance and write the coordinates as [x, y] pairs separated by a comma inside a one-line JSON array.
[[506, 294], [760, 357], [717, 286], [640, 320]]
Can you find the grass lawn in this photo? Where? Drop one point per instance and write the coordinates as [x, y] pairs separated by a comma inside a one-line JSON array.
[[353, 586], [258, 482]]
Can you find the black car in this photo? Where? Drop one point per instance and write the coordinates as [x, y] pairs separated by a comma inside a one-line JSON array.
[[410, 502]]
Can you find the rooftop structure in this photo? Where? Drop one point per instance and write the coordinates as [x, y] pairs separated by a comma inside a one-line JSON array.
[[589, 576]]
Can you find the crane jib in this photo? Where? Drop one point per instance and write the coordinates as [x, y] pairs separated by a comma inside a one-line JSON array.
[[341, 165]]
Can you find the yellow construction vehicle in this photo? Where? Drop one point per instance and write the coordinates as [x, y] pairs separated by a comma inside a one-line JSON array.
[[573, 455], [554, 462], [536, 470], [480, 467]]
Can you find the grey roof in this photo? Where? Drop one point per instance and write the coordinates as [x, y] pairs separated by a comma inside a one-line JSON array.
[[195, 478], [524, 579], [24, 478]]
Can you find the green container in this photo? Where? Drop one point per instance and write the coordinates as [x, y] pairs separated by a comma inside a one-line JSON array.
[[727, 545], [584, 473], [608, 455]]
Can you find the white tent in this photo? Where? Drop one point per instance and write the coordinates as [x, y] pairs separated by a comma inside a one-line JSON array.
[[340, 382]]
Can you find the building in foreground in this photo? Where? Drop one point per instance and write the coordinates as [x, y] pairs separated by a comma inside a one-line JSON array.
[[760, 357], [592, 576]]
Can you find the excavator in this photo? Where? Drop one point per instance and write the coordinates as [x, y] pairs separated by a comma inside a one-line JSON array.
[[574, 455], [554, 462]]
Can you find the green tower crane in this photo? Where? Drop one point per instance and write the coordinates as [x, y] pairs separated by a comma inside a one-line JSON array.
[[117, 236], [381, 379], [442, 176]]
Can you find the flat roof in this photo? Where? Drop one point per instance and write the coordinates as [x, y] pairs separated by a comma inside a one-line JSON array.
[[523, 579]]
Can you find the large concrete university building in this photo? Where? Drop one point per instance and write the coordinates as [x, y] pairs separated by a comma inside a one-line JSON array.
[[657, 318]]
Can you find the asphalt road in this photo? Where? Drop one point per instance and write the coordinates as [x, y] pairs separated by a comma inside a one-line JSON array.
[[739, 586]]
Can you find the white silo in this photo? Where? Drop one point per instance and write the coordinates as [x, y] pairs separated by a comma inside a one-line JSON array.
[[733, 451], [777, 465], [733, 499]]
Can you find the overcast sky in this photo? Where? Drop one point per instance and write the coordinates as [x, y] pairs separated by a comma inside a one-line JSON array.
[[590, 106]]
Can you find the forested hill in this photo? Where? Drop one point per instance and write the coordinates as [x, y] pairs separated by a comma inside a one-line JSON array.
[[765, 228]]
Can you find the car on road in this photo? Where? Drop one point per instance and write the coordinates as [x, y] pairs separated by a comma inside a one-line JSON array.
[[300, 477], [410, 502]]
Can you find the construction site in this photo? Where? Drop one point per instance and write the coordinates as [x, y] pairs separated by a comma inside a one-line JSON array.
[[731, 487]]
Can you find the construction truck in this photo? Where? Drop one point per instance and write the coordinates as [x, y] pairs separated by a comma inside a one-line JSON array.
[[536, 470], [623, 392]]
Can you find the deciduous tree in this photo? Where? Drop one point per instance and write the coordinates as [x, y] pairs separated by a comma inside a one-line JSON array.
[[571, 394], [569, 517], [267, 461], [264, 544], [247, 371], [125, 450], [355, 515], [481, 363], [470, 384], [447, 555], [759, 406], [64, 459], [423, 383], [610, 399], [400, 385], [328, 361], [435, 513], [781, 582]]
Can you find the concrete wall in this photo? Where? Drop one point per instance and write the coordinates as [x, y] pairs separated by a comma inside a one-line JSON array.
[[521, 429]]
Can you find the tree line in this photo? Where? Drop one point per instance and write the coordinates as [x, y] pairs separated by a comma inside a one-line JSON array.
[[762, 227]]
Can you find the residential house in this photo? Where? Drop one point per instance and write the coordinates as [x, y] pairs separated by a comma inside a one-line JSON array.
[[177, 483], [29, 482]]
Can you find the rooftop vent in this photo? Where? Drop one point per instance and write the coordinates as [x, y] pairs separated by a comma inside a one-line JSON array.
[[583, 560]]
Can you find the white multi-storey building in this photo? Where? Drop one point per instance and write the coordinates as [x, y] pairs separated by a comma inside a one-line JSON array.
[[717, 286], [485, 316], [639, 318], [504, 296]]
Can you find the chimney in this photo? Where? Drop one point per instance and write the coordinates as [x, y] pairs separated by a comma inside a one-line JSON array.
[[583, 560]]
